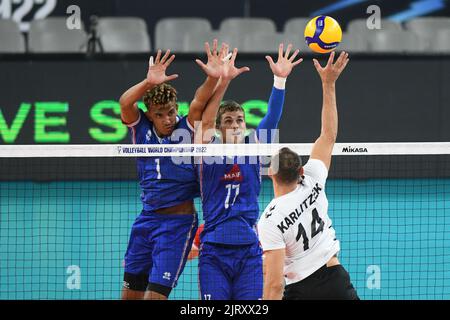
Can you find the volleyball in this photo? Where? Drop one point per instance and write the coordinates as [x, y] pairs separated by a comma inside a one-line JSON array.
[[323, 34]]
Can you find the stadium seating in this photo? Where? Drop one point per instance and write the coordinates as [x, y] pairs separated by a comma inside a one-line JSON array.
[[394, 41], [441, 42], [12, 40], [426, 28], [268, 43], [252, 35], [296, 25], [360, 25], [171, 32], [124, 35], [247, 26], [51, 35], [353, 42]]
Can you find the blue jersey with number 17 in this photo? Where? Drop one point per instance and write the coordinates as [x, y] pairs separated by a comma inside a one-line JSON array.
[[165, 182], [229, 188]]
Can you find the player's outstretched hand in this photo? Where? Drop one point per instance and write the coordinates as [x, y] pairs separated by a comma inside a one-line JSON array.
[[213, 67], [331, 72], [157, 69], [229, 70], [284, 64]]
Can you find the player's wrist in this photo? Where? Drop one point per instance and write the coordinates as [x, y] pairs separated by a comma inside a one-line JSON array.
[[329, 84], [279, 82]]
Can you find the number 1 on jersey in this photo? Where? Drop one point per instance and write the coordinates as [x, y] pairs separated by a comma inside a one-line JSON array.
[[158, 169], [231, 187]]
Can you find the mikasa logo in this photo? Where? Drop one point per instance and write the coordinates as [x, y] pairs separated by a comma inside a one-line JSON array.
[[351, 149]]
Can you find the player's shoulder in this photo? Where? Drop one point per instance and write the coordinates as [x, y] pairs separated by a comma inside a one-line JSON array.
[[183, 123], [272, 211], [316, 169]]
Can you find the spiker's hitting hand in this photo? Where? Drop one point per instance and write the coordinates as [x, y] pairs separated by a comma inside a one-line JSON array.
[[331, 72]]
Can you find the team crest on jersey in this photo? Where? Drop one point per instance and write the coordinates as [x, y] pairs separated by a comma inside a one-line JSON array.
[[148, 136], [234, 174]]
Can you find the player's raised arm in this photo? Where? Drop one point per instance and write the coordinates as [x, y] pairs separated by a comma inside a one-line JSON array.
[[281, 70], [229, 72], [323, 147], [212, 69], [156, 75]]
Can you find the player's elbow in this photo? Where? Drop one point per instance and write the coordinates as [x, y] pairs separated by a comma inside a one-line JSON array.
[[329, 135], [123, 102], [273, 291]]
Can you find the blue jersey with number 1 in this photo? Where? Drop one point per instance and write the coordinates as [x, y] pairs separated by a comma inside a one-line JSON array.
[[164, 181]]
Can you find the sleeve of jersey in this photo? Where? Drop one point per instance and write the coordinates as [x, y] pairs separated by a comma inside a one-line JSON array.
[[269, 236], [137, 129], [317, 170], [184, 123], [273, 116]]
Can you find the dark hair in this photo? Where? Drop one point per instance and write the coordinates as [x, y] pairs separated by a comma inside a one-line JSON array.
[[163, 95], [227, 106], [289, 164]]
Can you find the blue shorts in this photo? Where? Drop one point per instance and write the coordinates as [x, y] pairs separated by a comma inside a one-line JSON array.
[[159, 245], [230, 272]]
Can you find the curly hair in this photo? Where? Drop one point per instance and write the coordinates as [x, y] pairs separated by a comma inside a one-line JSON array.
[[163, 95]]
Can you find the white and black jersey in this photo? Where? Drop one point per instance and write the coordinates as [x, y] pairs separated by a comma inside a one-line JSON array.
[[299, 223]]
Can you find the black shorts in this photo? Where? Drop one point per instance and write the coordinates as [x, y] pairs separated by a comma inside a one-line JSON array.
[[327, 283]]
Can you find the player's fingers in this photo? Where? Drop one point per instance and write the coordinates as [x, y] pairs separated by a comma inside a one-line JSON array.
[[215, 47], [243, 69], [201, 64], [158, 56], [269, 59], [288, 50], [280, 51], [331, 59], [168, 62], [226, 53], [317, 65], [227, 57], [340, 60], [171, 77], [150, 62], [294, 55], [166, 55], [233, 56], [207, 49], [221, 51], [297, 62], [344, 64]]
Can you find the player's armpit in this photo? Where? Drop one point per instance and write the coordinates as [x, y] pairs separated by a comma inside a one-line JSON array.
[[323, 149]]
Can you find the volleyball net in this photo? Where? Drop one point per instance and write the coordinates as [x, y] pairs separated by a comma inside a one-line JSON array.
[[66, 214]]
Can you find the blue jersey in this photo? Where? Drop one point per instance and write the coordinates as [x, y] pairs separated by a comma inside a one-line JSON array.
[[230, 191], [164, 182]]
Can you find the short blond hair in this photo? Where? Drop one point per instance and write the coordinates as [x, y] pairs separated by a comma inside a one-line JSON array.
[[227, 106]]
